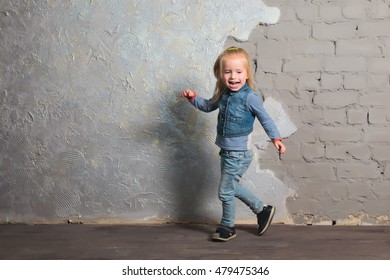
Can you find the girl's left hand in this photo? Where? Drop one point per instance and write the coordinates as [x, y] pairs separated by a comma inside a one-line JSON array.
[[280, 146]]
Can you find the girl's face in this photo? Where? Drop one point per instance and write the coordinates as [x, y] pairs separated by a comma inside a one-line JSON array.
[[234, 71]]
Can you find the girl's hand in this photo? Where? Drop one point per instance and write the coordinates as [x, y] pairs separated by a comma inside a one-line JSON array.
[[279, 146], [189, 94]]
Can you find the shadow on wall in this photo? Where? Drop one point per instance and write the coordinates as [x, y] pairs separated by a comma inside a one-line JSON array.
[[190, 165], [90, 130]]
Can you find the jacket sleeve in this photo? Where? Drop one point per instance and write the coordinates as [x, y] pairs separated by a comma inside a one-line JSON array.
[[204, 104], [256, 107]]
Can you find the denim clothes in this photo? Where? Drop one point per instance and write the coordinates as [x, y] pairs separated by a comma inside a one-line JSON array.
[[255, 106], [237, 111], [234, 118], [233, 165]]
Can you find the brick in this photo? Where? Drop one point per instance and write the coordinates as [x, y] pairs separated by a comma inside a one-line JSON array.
[[378, 82], [264, 80], [305, 134], [334, 31], [374, 29], [338, 116], [270, 65], [378, 10], [359, 152], [347, 64], [313, 151], [311, 115], [356, 82], [312, 47], [340, 134], [386, 46], [387, 171], [381, 153], [284, 82], [308, 81], [377, 207], [250, 48], [335, 99], [356, 116], [379, 65], [289, 30], [313, 170], [338, 152], [354, 11], [377, 116], [331, 13], [377, 135], [334, 208], [366, 47], [382, 189], [293, 100], [307, 12], [287, 13], [303, 206], [304, 64], [375, 99], [272, 48], [335, 190], [357, 171], [310, 189], [360, 190], [331, 81]]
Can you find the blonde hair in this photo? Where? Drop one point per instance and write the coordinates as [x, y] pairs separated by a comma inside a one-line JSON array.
[[219, 85]]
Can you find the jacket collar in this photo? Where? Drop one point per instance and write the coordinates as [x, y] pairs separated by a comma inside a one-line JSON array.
[[244, 87]]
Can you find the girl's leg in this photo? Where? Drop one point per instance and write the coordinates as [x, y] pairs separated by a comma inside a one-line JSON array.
[[233, 165], [242, 193]]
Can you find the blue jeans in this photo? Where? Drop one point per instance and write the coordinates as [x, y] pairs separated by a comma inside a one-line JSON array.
[[233, 165]]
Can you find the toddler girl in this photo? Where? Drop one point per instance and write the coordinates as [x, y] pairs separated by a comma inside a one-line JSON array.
[[238, 106]]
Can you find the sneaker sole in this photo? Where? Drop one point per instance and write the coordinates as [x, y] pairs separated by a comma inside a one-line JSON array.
[[217, 238], [271, 216]]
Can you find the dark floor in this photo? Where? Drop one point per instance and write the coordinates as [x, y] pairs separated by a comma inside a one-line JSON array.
[[181, 242]]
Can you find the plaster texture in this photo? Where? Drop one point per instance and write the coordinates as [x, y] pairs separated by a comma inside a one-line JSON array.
[[92, 129]]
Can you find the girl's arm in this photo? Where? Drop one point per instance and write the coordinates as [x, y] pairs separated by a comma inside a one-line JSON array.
[[256, 106], [199, 102]]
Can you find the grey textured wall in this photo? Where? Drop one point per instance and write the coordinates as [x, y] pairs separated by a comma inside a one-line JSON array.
[[92, 129]]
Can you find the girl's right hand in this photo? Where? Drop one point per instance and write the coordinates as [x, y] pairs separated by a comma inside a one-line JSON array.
[[189, 94]]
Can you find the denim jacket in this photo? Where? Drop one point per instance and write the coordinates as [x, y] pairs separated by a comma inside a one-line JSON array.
[[234, 118], [250, 107]]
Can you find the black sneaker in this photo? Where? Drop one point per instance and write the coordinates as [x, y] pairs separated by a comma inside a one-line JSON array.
[[224, 233], [264, 218]]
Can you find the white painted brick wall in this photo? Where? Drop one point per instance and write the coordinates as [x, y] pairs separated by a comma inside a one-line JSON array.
[[357, 47], [337, 99], [328, 62], [334, 31], [340, 134], [354, 81], [345, 64], [355, 116], [303, 64], [378, 116]]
